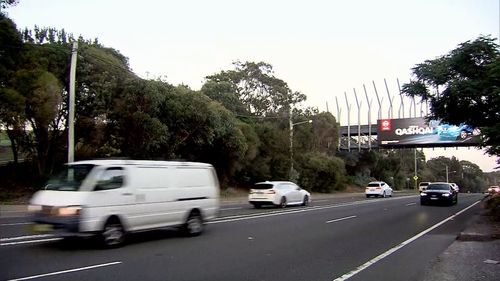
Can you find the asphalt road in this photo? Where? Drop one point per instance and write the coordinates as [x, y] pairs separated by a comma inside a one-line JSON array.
[[333, 239]]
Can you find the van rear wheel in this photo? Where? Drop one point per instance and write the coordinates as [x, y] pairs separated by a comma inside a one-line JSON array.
[[113, 234], [194, 224]]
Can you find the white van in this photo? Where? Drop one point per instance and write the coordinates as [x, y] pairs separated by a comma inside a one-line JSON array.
[[112, 197]]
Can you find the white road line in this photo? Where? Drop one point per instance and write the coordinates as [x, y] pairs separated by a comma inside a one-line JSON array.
[[280, 213], [13, 224], [235, 208], [30, 242], [66, 271], [26, 237], [411, 204], [341, 219], [396, 248]]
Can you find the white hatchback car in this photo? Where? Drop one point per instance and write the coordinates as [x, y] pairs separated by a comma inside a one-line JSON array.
[[278, 193], [378, 188]]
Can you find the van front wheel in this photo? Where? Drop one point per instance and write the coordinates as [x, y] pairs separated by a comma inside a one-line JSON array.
[[194, 224], [113, 234]]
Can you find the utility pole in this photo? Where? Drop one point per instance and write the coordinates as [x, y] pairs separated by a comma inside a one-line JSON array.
[[415, 177], [71, 107]]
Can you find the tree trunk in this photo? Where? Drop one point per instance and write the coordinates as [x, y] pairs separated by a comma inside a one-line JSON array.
[[13, 145]]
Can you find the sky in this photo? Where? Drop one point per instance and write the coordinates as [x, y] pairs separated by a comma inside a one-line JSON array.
[[327, 50]]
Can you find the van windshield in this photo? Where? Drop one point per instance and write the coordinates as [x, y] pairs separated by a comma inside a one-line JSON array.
[[70, 178]]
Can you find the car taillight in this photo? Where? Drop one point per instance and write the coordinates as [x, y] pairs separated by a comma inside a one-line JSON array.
[[271, 192], [379, 188]]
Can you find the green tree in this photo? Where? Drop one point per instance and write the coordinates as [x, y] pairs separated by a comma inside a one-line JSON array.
[[42, 93], [12, 116], [462, 87], [7, 3], [257, 89]]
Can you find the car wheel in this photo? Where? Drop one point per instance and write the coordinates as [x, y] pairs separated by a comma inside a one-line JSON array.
[[367, 196], [305, 202], [113, 234], [257, 206], [283, 202], [422, 203], [194, 224]]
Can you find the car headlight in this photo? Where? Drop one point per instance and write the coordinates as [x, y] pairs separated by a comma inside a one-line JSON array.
[[446, 195], [423, 194], [67, 211], [34, 208]]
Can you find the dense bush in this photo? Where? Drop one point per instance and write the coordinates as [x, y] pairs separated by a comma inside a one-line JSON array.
[[493, 206], [321, 173]]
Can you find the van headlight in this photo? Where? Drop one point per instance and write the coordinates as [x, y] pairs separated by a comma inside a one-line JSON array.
[[67, 211], [34, 208], [423, 194], [446, 194]]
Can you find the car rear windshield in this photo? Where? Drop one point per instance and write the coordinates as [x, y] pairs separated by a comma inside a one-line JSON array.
[[376, 184], [69, 179], [263, 186], [443, 186]]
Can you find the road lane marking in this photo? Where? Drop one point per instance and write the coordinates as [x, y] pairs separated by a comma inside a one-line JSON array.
[[308, 209], [398, 247], [341, 219], [30, 241], [16, 223], [26, 237], [66, 271], [411, 204], [235, 208]]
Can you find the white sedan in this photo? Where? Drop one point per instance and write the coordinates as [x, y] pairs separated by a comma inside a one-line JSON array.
[[278, 193], [378, 188]]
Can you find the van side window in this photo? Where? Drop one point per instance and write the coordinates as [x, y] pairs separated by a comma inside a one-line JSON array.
[[112, 178]]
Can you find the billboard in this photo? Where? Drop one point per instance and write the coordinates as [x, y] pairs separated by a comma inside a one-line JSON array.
[[417, 132]]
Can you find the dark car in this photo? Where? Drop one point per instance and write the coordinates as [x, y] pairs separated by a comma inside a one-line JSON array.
[[439, 192]]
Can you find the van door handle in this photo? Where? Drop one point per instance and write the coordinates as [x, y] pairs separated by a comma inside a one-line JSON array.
[[127, 194]]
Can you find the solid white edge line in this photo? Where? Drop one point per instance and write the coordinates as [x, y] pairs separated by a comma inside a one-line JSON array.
[[341, 219], [411, 204], [66, 271], [30, 241], [13, 224], [396, 248], [26, 237]]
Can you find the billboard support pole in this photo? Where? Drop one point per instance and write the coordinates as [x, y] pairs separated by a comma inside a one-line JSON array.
[[358, 103], [379, 101], [402, 106], [339, 111], [369, 102], [348, 123], [390, 113]]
